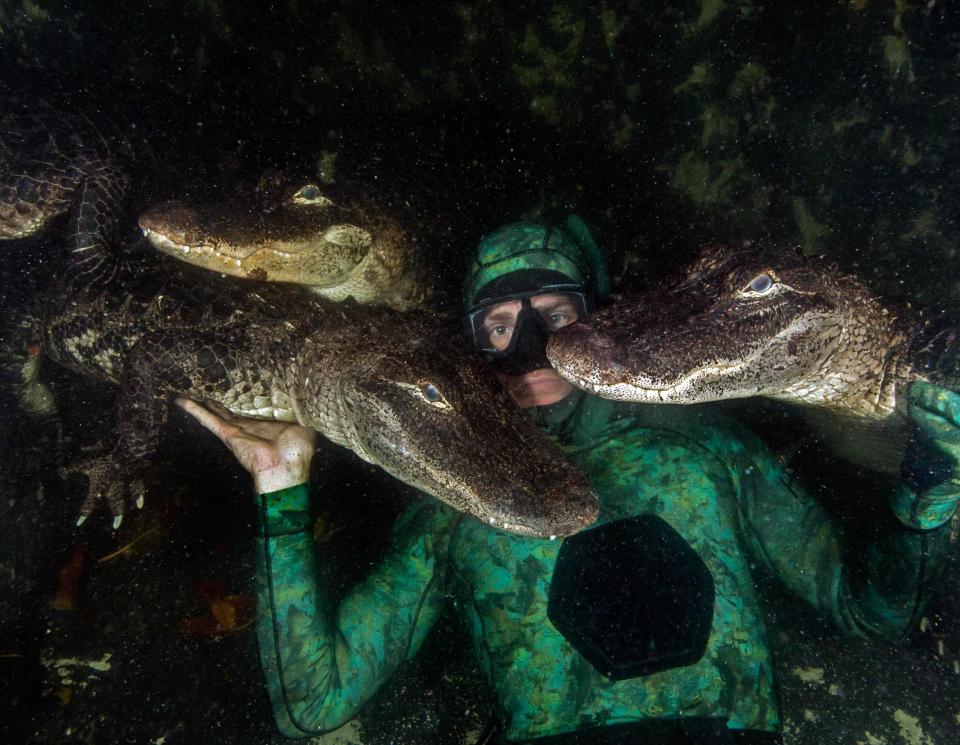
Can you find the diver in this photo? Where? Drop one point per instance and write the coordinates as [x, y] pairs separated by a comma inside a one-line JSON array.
[[643, 628]]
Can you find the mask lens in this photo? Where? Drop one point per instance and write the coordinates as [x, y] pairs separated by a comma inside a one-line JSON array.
[[494, 325]]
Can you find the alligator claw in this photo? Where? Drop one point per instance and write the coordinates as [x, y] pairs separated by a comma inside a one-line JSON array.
[[107, 481]]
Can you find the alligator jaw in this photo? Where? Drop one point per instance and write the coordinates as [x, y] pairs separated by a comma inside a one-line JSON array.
[[168, 246], [589, 360]]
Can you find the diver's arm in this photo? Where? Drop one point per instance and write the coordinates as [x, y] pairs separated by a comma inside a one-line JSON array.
[[321, 661], [875, 585]]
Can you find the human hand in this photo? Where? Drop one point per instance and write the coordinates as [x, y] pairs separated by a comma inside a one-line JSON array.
[[936, 411], [931, 466], [276, 454]]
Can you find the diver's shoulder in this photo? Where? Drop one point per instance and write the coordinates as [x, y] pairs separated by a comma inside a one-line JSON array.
[[707, 425], [425, 514]]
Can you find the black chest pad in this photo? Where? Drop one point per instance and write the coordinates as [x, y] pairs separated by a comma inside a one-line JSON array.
[[632, 597]]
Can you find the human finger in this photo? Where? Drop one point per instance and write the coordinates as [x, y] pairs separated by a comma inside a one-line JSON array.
[[207, 418]]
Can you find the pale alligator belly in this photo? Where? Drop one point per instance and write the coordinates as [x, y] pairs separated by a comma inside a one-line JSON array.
[[258, 399], [92, 352]]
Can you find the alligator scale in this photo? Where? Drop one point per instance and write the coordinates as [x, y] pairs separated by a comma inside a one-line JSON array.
[[745, 321]]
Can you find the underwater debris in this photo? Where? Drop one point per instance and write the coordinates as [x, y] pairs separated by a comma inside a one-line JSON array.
[[68, 580], [127, 548], [226, 614]]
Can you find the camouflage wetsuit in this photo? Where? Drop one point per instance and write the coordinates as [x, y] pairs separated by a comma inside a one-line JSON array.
[[711, 480]]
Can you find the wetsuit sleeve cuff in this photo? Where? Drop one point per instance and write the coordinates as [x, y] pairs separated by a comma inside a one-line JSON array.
[[922, 511], [284, 511]]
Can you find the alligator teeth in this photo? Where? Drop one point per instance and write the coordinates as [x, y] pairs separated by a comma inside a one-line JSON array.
[[185, 249]]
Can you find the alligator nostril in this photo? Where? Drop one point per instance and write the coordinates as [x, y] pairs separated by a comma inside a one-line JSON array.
[[599, 341], [581, 334]]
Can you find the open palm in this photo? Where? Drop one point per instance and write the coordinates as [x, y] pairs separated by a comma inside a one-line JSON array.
[[276, 454]]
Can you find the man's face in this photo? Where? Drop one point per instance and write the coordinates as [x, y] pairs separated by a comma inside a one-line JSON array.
[[538, 387]]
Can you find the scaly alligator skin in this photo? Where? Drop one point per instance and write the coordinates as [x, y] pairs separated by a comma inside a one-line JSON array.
[[745, 321], [392, 387], [54, 162], [274, 236]]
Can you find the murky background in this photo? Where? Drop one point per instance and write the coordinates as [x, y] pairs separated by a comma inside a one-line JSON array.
[[834, 126]]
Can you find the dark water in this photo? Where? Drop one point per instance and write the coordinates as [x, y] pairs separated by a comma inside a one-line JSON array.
[[832, 126]]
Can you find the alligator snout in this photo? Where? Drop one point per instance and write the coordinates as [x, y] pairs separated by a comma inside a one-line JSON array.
[[570, 505], [171, 224], [577, 508], [160, 216], [579, 353], [568, 501], [583, 335]]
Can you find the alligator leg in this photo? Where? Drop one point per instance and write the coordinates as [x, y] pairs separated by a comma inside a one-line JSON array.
[[101, 194], [161, 365], [142, 408], [116, 477]]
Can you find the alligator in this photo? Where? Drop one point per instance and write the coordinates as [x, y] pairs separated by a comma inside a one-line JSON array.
[[752, 321], [392, 387], [58, 160], [361, 252]]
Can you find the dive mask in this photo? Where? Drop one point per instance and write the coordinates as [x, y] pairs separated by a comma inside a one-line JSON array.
[[512, 330]]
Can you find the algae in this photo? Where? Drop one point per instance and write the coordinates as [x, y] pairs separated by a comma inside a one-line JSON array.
[[814, 235]]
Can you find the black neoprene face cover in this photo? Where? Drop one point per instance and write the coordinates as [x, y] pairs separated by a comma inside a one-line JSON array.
[[633, 597]]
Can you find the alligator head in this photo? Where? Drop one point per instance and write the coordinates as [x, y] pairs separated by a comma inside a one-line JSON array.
[[742, 322], [430, 413], [295, 232]]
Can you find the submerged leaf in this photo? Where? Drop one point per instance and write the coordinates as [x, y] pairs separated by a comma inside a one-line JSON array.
[[226, 614]]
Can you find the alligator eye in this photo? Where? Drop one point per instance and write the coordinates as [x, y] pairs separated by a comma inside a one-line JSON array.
[[433, 396], [311, 194], [761, 283]]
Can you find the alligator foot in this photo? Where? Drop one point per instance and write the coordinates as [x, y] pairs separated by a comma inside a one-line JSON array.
[[108, 481]]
